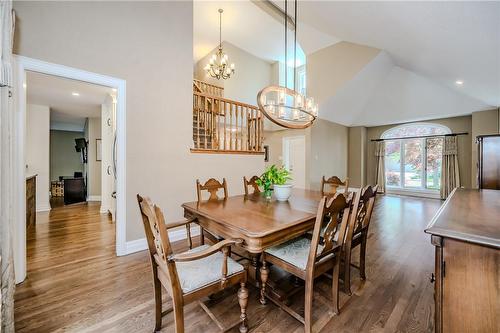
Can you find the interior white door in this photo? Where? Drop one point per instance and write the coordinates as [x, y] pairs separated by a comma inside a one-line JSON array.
[[294, 158]]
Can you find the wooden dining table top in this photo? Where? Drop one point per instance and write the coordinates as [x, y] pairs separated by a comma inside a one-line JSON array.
[[259, 222]]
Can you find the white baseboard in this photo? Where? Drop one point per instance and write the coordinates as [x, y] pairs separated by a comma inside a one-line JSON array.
[[103, 209], [174, 236], [43, 208], [94, 198]]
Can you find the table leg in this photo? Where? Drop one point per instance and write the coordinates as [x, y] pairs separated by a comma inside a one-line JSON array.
[[264, 274], [253, 269]]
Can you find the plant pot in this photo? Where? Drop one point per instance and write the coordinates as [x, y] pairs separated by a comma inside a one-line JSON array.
[[282, 192]]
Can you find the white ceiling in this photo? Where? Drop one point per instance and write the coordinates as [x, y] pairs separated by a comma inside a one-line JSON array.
[[443, 41], [250, 28], [67, 112], [427, 46], [384, 93]]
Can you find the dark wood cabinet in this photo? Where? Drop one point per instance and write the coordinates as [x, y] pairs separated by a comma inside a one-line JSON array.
[[488, 161], [466, 236], [30, 201]]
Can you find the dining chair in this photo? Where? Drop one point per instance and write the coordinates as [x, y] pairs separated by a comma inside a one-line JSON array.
[[252, 184], [192, 275], [212, 186], [334, 183], [357, 234], [308, 258]]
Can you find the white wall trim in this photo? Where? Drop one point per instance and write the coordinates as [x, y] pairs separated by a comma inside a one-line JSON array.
[[23, 64], [414, 193], [173, 236], [103, 210], [43, 208], [94, 198]]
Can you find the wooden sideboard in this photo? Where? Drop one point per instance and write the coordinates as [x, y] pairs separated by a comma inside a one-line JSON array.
[[466, 234], [30, 201]]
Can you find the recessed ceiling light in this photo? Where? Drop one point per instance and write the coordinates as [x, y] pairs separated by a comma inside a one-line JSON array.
[[459, 82], [75, 94]]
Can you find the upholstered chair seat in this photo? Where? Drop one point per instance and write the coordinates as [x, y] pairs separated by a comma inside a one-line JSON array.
[[295, 251], [199, 273]]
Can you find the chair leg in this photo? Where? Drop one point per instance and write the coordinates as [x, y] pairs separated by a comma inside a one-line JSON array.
[[179, 317], [264, 273], [243, 300], [308, 305], [158, 302], [347, 272], [362, 255], [335, 285]]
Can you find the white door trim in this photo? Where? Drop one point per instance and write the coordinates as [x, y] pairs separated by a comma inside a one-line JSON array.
[[24, 64]]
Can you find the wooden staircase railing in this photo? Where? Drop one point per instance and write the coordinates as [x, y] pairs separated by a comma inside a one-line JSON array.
[[221, 125], [207, 88]]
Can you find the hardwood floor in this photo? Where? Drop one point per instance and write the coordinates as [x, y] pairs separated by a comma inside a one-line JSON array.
[[76, 283]]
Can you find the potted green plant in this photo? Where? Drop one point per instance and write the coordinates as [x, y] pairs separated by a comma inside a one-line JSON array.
[[276, 178]]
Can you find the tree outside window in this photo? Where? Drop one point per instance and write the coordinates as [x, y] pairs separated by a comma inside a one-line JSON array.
[[414, 163]]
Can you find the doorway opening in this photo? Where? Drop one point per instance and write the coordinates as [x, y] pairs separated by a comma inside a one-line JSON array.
[[71, 134]]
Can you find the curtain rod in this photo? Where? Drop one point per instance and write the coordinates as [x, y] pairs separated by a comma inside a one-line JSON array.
[[422, 136]]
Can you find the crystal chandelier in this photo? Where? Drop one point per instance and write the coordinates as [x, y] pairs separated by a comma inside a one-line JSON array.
[[284, 106], [218, 66]]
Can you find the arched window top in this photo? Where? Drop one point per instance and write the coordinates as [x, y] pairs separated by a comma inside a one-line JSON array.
[[416, 129]]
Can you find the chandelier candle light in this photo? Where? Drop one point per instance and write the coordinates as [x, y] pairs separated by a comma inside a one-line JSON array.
[[218, 66], [283, 106]]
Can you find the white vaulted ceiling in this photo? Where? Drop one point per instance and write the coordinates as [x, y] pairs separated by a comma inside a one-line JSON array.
[[443, 41], [250, 28], [424, 48]]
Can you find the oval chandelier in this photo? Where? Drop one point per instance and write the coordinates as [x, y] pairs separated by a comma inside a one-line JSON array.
[[218, 66], [284, 106]]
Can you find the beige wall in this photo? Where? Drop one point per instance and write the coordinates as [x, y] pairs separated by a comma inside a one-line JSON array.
[[456, 124], [94, 167], [251, 74], [150, 45], [483, 123], [357, 156], [64, 159], [330, 68], [326, 150], [37, 151]]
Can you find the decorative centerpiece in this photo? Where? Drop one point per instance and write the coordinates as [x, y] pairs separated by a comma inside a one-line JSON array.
[[275, 178]]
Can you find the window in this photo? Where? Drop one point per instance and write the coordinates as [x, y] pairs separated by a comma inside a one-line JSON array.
[[414, 163], [301, 80]]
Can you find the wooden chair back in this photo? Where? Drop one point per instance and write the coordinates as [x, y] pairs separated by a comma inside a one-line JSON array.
[[365, 208], [336, 211], [212, 186], [252, 183], [334, 183], [159, 243]]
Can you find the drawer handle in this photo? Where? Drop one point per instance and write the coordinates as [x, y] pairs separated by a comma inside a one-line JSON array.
[[433, 278]]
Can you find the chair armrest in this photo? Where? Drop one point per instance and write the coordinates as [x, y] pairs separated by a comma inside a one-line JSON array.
[[204, 253], [179, 223]]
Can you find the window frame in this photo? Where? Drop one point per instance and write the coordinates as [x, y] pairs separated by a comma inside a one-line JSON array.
[[402, 188]]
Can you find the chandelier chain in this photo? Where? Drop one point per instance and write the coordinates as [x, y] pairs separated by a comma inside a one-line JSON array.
[[218, 67]]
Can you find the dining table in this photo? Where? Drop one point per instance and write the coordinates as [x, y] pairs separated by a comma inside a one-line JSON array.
[[260, 222]]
